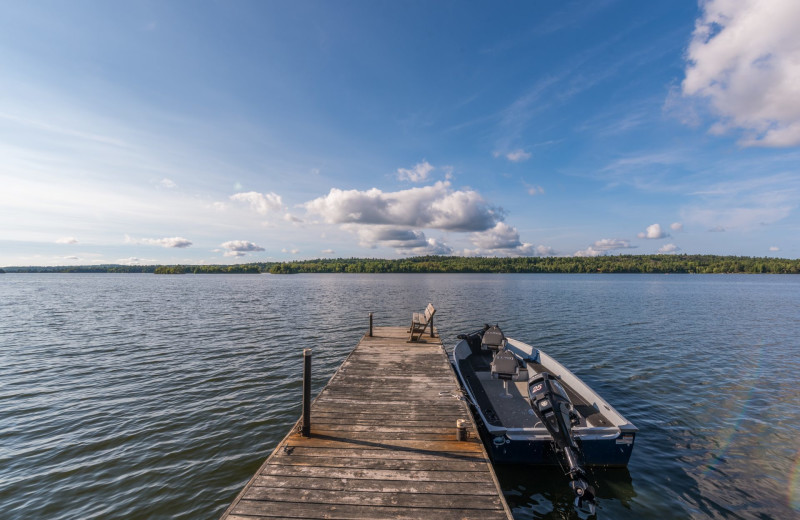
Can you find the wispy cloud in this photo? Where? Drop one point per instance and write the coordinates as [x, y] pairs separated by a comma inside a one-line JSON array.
[[177, 242], [261, 203], [419, 173], [67, 240], [604, 246], [518, 155]]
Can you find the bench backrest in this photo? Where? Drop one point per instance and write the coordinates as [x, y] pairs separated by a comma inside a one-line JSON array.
[[429, 311]]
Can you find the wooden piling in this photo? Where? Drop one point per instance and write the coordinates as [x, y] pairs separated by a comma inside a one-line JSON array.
[[306, 429]]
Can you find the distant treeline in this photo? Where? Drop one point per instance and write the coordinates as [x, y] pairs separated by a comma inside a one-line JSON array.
[[694, 264]]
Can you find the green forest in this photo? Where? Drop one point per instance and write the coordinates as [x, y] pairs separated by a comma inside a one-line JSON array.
[[691, 264]]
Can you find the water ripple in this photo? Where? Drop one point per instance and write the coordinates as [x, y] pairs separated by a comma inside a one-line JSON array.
[[141, 396]]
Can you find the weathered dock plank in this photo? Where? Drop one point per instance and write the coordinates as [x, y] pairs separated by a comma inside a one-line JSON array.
[[383, 445]]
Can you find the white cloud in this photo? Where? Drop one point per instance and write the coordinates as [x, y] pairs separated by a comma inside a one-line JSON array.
[[168, 183], [261, 203], [545, 251], [668, 248], [676, 226], [503, 240], [501, 236], [774, 248], [603, 246], [328, 252], [434, 207], [288, 217], [432, 246], [404, 241], [67, 240], [178, 242], [240, 247], [370, 236], [519, 155], [744, 58], [653, 231], [419, 173]]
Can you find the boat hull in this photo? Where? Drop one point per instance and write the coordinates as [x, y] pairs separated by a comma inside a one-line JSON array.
[[613, 452], [512, 436]]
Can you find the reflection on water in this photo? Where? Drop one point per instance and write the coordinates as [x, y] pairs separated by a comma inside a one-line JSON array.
[[142, 396], [543, 492]]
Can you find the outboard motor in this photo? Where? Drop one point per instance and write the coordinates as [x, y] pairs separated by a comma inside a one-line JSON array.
[[552, 406]]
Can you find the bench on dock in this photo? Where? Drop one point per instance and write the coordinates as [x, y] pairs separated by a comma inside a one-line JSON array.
[[420, 321]]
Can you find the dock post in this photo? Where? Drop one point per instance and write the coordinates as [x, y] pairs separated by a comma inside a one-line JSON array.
[[432, 334], [306, 431], [370, 324]]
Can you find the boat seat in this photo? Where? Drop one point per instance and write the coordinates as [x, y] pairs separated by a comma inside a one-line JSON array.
[[493, 339], [506, 366]]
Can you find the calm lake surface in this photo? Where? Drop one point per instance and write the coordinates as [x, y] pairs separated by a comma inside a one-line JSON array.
[[141, 396]]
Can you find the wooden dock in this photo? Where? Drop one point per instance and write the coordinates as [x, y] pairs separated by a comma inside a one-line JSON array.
[[382, 446]]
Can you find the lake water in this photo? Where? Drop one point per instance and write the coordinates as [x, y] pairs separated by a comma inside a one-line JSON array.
[[142, 396]]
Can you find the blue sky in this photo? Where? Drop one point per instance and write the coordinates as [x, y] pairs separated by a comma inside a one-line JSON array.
[[228, 132]]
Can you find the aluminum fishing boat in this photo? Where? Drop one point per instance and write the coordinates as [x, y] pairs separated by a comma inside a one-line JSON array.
[[532, 410]]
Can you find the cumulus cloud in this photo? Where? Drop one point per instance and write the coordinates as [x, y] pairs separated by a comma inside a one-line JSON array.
[[668, 248], [240, 247], [676, 226], [404, 241], [503, 240], [390, 236], [178, 242], [288, 217], [433, 207], [328, 252], [744, 57], [262, 203], [653, 231], [603, 246], [501, 236], [432, 246], [419, 173], [67, 240], [774, 248]]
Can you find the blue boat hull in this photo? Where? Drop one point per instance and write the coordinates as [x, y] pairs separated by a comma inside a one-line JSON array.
[[614, 452]]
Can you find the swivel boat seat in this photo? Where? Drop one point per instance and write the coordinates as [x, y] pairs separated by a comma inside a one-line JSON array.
[[505, 365]]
